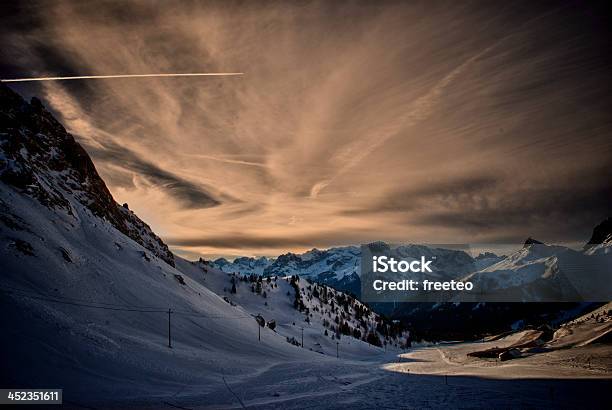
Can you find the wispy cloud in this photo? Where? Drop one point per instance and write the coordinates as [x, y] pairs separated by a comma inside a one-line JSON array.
[[354, 121], [192, 195]]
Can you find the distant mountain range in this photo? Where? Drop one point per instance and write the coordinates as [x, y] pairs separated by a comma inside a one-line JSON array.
[[339, 267], [528, 269], [336, 267], [534, 268]]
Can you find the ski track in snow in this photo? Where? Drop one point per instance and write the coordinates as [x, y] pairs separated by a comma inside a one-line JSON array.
[[382, 384]]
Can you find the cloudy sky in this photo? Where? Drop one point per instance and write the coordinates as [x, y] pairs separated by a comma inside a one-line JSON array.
[[438, 122]]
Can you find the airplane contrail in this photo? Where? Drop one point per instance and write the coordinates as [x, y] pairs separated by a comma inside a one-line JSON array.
[[228, 160], [89, 77]]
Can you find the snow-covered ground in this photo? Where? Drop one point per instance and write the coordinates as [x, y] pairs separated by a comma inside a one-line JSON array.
[[594, 361], [425, 378], [277, 305], [85, 309]]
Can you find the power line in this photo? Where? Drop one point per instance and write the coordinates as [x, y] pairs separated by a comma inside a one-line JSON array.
[[38, 293], [195, 314], [86, 305], [109, 306], [24, 293]]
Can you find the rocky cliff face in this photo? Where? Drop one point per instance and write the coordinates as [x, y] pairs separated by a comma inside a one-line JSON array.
[[39, 158], [602, 233]]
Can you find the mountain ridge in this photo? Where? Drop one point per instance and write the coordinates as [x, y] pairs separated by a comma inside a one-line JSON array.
[[41, 159]]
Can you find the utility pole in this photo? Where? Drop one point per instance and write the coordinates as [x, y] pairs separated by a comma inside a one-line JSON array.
[[337, 350], [169, 329], [302, 337], [259, 318]]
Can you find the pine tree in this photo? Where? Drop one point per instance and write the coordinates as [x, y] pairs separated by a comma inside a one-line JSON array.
[[373, 339]]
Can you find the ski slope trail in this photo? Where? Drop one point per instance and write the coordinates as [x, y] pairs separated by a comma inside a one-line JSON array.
[[367, 385]]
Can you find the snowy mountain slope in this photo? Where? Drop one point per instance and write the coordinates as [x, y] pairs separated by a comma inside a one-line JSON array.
[[533, 358], [40, 159], [85, 297], [274, 299], [526, 265], [601, 240], [61, 276], [255, 266], [592, 327], [486, 259], [547, 272]]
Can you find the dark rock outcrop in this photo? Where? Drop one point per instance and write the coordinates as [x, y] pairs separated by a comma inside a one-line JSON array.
[[602, 233], [531, 241], [39, 158]]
